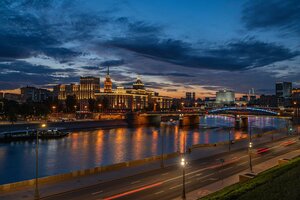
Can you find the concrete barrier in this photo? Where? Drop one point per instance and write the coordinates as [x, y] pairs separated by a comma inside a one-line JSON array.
[[246, 177], [283, 161], [85, 172]]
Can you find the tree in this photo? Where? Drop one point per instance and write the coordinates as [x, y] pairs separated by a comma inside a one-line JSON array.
[[92, 105], [11, 109], [70, 103]]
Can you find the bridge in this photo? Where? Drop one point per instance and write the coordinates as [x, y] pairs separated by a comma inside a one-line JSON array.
[[243, 111], [193, 117]]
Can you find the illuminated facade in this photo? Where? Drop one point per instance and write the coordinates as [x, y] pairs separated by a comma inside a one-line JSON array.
[[107, 83], [225, 97], [61, 91], [88, 87], [119, 99], [135, 98]]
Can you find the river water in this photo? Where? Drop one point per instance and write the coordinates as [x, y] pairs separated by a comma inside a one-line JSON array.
[[87, 149]]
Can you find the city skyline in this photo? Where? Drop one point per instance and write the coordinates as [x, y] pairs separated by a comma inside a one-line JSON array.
[[202, 46]]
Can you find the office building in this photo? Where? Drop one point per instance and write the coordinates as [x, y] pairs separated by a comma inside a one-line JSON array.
[[225, 97], [33, 94], [283, 93], [88, 87], [190, 96]]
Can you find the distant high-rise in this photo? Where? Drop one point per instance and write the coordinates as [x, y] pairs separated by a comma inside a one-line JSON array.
[[34, 94], [190, 96], [107, 83], [88, 86], [225, 97], [283, 93]]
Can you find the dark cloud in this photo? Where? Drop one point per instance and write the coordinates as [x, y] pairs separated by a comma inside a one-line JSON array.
[[235, 55], [90, 67], [112, 63], [20, 73], [176, 74], [282, 15], [25, 67]]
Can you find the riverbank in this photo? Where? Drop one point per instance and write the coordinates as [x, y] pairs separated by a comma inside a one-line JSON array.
[[67, 126], [267, 185]]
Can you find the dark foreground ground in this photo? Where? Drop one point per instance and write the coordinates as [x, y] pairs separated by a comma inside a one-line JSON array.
[[278, 183]]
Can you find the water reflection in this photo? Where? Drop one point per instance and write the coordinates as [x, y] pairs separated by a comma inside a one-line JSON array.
[[86, 149]]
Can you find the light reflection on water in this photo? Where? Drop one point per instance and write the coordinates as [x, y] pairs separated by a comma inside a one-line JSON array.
[[87, 149]]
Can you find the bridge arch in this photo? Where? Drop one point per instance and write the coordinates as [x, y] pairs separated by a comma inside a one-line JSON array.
[[243, 110]]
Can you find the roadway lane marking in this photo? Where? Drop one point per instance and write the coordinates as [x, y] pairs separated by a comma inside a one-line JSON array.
[[95, 193], [165, 173], [171, 188], [134, 182], [159, 192], [243, 163], [198, 174], [133, 191], [212, 179]]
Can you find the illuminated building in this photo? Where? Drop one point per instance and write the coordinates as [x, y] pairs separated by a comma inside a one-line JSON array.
[[190, 96], [135, 98], [61, 91], [283, 93], [107, 83], [225, 97], [88, 87]]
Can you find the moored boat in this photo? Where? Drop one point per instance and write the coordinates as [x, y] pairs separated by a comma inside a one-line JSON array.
[[30, 134]]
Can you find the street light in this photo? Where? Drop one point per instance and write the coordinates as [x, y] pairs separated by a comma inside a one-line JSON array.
[[162, 149], [229, 142], [36, 193], [250, 157], [183, 164]]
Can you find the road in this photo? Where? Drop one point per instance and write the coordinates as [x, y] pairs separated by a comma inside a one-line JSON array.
[[167, 183]]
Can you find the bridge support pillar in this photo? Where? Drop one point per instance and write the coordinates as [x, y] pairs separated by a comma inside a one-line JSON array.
[[241, 122], [189, 120], [134, 119]]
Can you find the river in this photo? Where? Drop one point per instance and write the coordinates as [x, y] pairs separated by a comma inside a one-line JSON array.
[[87, 149]]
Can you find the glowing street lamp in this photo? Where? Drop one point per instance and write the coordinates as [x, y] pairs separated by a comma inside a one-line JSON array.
[[183, 164], [36, 192], [53, 108], [250, 157]]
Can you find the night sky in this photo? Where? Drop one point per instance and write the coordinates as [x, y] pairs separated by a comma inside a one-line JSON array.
[[174, 45]]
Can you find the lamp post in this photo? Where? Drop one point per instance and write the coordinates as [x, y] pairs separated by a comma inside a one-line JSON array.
[[36, 193], [250, 157], [100, 107], [183, 164], [162, 165], [229, 142], [250, 147]]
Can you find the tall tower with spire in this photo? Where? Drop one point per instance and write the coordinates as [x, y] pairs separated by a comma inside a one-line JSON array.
[[107, 82], [138, 85]]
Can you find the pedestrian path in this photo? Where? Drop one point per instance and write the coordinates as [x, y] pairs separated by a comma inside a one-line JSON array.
[[216, 186]]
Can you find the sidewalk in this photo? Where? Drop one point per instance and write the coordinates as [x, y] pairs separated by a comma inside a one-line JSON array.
[[85, 181], [216, 186]]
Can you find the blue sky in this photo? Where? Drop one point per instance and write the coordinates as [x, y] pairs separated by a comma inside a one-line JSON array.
[[175, 45]]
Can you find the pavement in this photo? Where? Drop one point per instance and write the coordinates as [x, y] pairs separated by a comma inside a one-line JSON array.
[[151, 182]]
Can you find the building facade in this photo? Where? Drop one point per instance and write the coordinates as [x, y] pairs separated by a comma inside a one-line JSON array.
[[132, 99], [34, 94], [88, 87], [225, 97], [107, 83], [283, 93]]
